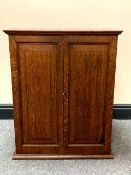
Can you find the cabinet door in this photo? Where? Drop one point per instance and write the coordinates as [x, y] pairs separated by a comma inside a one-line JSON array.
[[37, 73], [89, 67]]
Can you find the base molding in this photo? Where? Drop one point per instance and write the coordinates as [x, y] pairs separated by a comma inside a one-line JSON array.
[[122, 111], [58, 157]]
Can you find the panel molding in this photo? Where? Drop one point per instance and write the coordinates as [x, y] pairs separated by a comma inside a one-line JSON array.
[[120, 111]]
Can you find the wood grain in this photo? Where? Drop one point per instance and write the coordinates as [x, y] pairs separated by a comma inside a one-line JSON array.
[[57, 32], [39, 74], [87, 79], [59, 157], [63, 87]]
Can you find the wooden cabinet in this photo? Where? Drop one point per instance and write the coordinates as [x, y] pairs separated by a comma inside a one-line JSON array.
[[63, 84]]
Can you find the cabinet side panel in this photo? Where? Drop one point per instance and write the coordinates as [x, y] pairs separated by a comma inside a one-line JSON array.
[[109, 96], [16, 92]]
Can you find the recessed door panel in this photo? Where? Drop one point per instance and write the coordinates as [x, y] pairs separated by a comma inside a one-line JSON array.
[[40, 78], [87, 67]]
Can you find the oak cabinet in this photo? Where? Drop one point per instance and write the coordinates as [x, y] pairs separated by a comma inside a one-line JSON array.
[[63, 84]]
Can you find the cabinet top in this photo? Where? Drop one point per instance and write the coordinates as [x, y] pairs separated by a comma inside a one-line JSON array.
[[62, 32]]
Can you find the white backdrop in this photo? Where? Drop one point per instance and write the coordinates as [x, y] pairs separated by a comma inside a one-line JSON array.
[[69, 15]]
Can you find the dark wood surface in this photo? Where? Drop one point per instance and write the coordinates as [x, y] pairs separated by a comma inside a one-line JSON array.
[[57, 32], [59, 157], [63, 85], [89, 69]]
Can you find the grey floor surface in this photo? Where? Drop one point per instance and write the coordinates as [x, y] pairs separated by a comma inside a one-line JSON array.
[[121, 165]]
